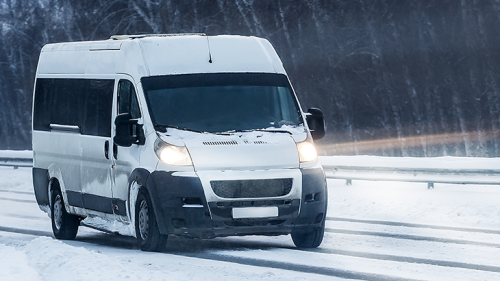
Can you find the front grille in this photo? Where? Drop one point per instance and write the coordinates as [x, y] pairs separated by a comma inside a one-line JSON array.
[[252, 188], [260, 203]]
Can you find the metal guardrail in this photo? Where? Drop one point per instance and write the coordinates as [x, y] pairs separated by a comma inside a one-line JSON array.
[[378, 172], [16, 162], [424, 175], [16, 159]]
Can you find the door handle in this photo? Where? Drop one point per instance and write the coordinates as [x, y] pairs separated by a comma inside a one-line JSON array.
[[106, 149]]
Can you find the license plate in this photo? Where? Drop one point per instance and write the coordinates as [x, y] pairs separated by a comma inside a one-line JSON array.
[[255, 212]]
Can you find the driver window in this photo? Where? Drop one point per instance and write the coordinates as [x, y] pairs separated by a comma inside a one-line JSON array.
[[127, 100]]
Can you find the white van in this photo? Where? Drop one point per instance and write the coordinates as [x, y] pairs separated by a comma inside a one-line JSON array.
[[184, 134]]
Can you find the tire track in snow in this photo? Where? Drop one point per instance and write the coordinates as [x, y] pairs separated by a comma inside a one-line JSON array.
[[128, 242], [26, 231], [391, 223], [333, 272], [232, 259], [411, 237], [406, 259]]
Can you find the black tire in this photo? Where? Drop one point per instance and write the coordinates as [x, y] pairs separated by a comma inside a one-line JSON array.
[[148, 235], [64, 225], [309, 238]]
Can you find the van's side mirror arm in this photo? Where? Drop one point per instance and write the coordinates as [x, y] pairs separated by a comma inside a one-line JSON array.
[[128, 131], [315, 122]]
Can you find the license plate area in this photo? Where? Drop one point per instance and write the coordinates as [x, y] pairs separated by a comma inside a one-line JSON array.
[[255, 212]]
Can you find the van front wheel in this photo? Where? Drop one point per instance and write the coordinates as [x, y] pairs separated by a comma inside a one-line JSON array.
[[148, 235], [309, 238], [64, 225]]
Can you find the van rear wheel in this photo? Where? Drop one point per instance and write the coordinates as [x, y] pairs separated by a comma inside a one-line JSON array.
[[148, 235], [64, 225], [309, 238]]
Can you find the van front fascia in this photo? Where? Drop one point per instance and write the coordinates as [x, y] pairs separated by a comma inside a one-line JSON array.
[[182, 209]]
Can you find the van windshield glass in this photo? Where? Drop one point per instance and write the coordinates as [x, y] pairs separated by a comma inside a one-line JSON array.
[[221, 102]]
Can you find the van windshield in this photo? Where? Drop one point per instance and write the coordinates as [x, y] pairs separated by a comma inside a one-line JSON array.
[[221, 102]]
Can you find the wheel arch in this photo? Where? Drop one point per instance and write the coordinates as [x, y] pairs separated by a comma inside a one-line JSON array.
[[141, 177], [54, 184]]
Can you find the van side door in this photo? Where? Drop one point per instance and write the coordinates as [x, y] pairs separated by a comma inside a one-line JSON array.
[[96, 162]]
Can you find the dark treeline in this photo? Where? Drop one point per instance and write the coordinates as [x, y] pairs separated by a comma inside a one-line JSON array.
[[395, 78]]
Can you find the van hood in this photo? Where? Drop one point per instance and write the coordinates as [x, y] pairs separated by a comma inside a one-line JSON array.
[[256, 150]]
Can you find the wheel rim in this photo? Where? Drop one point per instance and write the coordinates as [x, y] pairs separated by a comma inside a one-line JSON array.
[[58, 212], [143, 220]]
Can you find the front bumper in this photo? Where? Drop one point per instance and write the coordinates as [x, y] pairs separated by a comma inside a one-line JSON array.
[[186, 205]]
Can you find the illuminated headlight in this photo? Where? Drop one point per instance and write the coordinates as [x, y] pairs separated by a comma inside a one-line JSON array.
[[307, 152], [171, 154]]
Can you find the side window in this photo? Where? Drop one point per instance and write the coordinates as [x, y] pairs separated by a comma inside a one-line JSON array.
[[127, 100], [85, 103], [97, 105], [41, 106]]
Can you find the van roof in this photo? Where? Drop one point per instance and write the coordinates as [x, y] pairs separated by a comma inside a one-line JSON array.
[[161, 54]]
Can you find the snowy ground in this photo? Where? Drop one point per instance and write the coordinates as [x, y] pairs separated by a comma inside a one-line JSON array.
[[375, 231]]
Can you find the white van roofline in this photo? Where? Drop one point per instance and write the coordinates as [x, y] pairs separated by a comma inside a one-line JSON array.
[[160, 54]]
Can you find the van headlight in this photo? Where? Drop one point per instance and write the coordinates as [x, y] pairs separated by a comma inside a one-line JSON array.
[[171, 154], [307, 151]]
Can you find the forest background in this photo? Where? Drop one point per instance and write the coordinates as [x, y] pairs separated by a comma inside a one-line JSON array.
[[393, 77]]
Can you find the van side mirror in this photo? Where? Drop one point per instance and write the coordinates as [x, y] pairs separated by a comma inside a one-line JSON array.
[[316, 122], [128, 132]]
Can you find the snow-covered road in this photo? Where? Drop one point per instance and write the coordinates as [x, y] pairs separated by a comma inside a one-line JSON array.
[[375, 231]]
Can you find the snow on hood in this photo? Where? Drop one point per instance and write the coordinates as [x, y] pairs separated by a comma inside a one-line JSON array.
[[254, 150]]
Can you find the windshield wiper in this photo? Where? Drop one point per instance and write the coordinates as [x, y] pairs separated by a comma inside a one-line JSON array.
[[163, 128], [253, 130], [274, 131]]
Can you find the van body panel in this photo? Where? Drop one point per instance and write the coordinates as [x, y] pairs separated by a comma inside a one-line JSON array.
[[103, 61], [247, 54], [40, 185], [240, 152], [60, 153], [95, 173], [211, 54], [176, 55], [314, 197], [105, 45], [62, 62], [133, 63], [162, 56]]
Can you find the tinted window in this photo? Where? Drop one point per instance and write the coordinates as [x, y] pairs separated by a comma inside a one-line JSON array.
[[221, 102], [85, 103], [127, 100]]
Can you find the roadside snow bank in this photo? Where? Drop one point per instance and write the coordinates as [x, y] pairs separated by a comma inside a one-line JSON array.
[[14, 265], [456, 205], [16, 179], [55, 260]]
